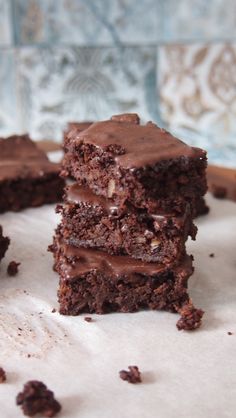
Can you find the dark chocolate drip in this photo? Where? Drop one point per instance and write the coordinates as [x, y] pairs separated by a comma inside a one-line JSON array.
[[139, 145], [85, 260], [77, 194]]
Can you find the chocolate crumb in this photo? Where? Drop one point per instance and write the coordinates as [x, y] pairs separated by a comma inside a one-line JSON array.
[[3, 377], [191, 318], [12, 268], [230, 333], [131, 376], [88, 319], [36, 398], [53, 310], [212, 255], [219, 192], [28, 355]]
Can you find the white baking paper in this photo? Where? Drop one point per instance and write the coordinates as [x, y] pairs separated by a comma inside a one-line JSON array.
[[185, 374]]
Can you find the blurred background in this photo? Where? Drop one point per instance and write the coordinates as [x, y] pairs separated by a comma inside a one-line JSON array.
[[173, 62]]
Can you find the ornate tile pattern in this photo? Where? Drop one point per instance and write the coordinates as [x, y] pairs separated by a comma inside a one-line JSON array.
[[61, 84], [197, 86], [199, 19], [87, 22], [8, 114], [5, 23]]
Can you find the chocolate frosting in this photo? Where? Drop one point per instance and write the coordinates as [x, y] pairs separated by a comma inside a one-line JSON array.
[[136, 145], [85, 260], [78, 194], [20, 157]]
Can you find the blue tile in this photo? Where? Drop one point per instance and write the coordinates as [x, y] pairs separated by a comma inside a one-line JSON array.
[[198, 19], [196, 85], [8, 115], [5, 23], [61, 84], [87, 22]]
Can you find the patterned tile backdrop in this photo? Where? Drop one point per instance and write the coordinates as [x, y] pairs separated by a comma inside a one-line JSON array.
[[172, 61]]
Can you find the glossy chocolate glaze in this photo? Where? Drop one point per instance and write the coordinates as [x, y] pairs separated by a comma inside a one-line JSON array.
[[85, 260], [139, 145], [20, 157], [78, 194]]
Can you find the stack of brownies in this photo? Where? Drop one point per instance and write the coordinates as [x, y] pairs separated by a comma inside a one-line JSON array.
[[121, 243]]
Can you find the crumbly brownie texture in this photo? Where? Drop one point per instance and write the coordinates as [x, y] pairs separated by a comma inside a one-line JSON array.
[[142, 165], [94, 282], [191, 318], [201, 207], [27, 177], [13, 268], [131, 376], [37, 399], [4, 243], [95, 222]]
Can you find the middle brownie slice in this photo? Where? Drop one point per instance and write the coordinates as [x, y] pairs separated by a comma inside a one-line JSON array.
[[93, 221]]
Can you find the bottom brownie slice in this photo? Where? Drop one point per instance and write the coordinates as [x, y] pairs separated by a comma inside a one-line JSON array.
[[94, 282], [4, 243]]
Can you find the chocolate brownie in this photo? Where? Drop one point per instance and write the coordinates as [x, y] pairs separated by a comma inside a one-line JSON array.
[[4, 243], [92, 281], [36, 398], [27, 177], [92, 221], [138, 164], [13, 268], [222, 182], [131, 376]]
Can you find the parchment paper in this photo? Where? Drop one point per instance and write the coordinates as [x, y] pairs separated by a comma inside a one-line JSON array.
[[185, 374]]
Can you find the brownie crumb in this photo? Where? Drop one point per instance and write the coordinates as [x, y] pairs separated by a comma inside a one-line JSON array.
[[53, 310], [212, 255], [219, 192], [12, 268], [88, 319], [191, 318], [3, 377], [230, 333], [36, 398], [132, 376]]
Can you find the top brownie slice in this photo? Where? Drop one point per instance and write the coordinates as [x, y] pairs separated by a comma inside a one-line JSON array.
[[141, 164], [27, 176]]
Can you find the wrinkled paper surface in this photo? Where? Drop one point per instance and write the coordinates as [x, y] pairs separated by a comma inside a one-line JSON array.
[[185, 374]]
